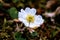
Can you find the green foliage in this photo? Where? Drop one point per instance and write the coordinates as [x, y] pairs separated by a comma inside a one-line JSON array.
[[13, 12], [18, 36]]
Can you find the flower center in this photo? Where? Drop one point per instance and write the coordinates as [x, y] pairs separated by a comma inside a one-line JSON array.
[[30, 18]]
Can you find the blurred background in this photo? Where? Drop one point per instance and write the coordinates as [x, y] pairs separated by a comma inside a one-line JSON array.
[[12, 29]]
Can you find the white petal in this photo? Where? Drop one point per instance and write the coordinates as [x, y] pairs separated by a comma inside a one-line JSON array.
[[30, 11], [38, 20], [21, 19], [23, 11], [25, 23], [22, 15], [33, 11], [32, 25], [27, 10]]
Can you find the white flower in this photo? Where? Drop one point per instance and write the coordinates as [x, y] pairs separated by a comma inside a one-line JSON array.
[[29, 18]]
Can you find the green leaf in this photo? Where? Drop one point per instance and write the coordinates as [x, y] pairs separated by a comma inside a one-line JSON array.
[[18, 36], [13, 12]]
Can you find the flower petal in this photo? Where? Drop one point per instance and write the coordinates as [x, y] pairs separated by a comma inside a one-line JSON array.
[[22, 14], [30, 11], [27, 10], [20, 19], [25, 23], [38, 20], [32, 25], [22, 11], [33, 11]]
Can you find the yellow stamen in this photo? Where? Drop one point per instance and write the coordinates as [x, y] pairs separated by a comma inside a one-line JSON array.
[[30, 18]]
